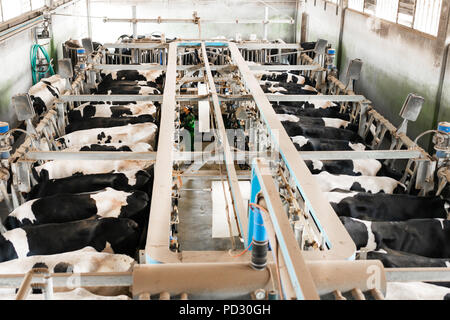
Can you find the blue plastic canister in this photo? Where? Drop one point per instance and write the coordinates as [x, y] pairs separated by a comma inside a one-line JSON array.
[[443, 127], [4, 128], [331, 54], [81, 53]]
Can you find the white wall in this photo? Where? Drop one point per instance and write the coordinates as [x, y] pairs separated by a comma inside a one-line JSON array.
[[397, 61], [15, 75]]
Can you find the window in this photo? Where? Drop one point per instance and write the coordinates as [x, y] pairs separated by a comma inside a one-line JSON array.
[[422, 15], [387, 9], [14, 8], [426, 18], [10, 9], [37, 4], [370, 6], [406, 9], [356, 5]]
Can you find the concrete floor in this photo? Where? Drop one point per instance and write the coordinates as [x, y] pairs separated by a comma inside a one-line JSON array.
[[195, 211]]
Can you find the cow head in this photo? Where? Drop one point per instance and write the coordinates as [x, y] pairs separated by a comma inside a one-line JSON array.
[[360, 233], [122, 234], [136, 203]]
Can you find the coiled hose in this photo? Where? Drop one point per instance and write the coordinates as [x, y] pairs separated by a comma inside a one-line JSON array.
[[35, 73]]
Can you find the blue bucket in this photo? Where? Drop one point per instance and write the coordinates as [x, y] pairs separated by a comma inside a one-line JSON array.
[[4, 128]]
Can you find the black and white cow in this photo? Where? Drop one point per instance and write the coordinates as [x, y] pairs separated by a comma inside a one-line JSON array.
[[61, 169], [318, 144], [155, 76], [129, 134], [387, 207], [397, 259], [79, 261], [44, 93], [274, 76], [424, 237], [119, 87], [86, 260], [371, 184], [56, 82], [357, 167], [296, 129], [138, 147], [108, 235], [416, 291], [321, 122], [90, 110], [62, 208], [125, 181], [300, 109], [91, 123], [287, 88]]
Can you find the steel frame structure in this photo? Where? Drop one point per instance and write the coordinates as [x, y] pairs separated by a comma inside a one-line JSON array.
[[301, 272]]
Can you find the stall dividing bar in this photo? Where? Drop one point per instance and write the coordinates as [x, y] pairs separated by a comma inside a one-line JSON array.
[[158, 97], [191, 156], [233, 181], [340, 245]]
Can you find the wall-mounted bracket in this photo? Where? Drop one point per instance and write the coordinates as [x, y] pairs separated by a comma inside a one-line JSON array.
[[353, 72], [410, 111]]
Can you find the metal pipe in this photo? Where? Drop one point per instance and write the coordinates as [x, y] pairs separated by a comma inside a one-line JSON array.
[[184, 296], [442, 77], [164, 296], [89, 19], [341, 35], [144, 296], [48, 288], [418, 274], [25, 286], [266, 22], [203, 21], [134, 21], [236, 194]]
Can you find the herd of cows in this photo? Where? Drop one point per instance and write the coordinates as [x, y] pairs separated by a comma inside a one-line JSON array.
[[385, 222], [88, 216], [92, 216]]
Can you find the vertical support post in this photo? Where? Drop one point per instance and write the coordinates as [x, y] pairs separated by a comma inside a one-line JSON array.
[[89, 19], [363, 117], [5, 194], [266, 22], [48, 288], [229, 161], [133, 9], [299, 9], [61, 117]]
